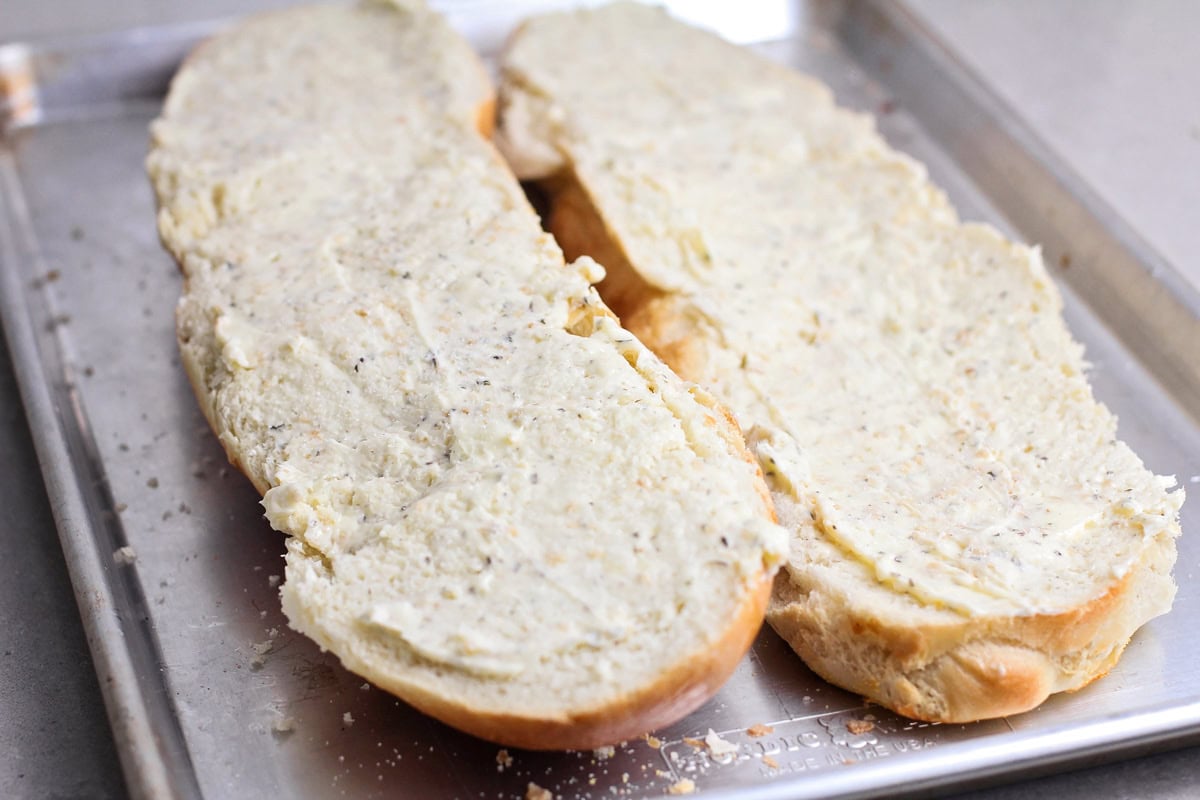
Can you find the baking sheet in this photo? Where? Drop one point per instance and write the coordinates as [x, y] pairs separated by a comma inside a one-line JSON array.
[[211, 695]]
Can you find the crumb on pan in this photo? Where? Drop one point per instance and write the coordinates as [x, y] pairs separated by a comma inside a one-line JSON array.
[[682, 786], [857, 726], [503, 760], [347, 719], [759, 730], [260, 653], [718, 746], [770, 762], [535, 792], [124, 555]]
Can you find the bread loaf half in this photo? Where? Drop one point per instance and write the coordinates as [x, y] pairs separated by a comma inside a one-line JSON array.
[[501, 506], [969, 535]]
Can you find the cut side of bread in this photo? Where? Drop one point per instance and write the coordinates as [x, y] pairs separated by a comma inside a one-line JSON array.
[[501, 506], [968, 534]]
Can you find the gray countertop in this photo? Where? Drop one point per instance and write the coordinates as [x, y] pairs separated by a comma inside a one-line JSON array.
[[1109, 85]]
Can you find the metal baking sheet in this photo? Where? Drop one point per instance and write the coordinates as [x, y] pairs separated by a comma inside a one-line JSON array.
[[211, 695]]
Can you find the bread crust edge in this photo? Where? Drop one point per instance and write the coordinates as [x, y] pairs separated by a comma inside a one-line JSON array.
[[677, 692], [974, 667]]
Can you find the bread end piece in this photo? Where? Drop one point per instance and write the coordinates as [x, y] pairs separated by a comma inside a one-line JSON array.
[[938, 666], [675, 694]]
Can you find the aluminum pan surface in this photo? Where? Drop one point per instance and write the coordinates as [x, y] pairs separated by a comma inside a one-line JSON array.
[[97, 292]]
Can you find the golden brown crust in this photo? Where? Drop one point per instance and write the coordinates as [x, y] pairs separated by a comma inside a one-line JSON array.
[[485, 117], [677, 692], [579, 228], [968, 668], [645, 310]]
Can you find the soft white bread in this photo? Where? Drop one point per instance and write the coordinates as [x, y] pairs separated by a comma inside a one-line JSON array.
[[969, 536], [502, 507]]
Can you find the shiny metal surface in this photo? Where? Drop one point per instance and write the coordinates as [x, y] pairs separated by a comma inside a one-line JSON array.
[[212, 696], [48, 690]]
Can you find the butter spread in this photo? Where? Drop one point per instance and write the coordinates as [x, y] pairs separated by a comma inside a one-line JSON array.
[[394, 350], [907, 379]]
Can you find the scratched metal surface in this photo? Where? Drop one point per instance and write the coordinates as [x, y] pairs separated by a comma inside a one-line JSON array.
[[211, 695]]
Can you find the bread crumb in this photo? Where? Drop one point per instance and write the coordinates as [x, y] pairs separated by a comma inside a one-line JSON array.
[[770, 762], [365, 687], [759, 730], [604, 753], [260, 653], [273, 580], [696, 743], [718, 746], [124, 555], [535, 792], [682, 786], [503, 760], [653, 741], [857, 726], [347, 719], [284, 726]]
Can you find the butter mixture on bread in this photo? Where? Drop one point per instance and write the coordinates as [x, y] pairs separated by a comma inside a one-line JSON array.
[[501, 506], [968, 533]]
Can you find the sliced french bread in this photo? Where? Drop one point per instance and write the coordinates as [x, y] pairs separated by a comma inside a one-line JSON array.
[[501, 506], [969, 535]]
